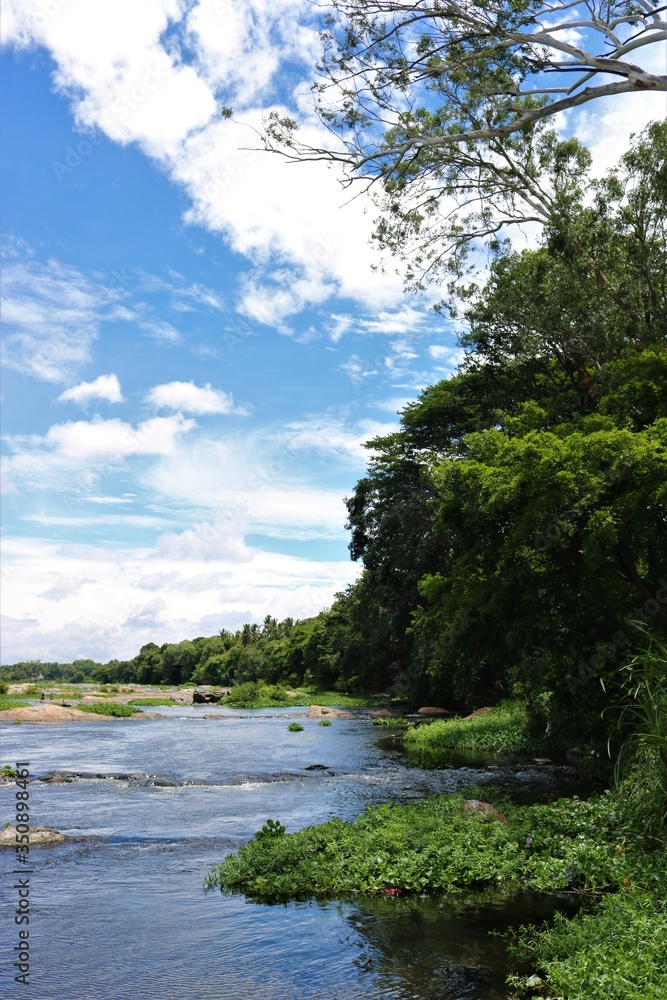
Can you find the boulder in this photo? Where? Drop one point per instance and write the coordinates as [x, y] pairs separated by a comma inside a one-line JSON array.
[[45, 713], [478, 711], [38, 835], [200, 697], [383, 713], [485, 808], [431, 710], [320, 712]]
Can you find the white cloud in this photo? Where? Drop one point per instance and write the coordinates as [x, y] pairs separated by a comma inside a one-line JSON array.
[[138, 88], [452, 356], [158, 85], [100, 439], [52, 314], [88, 601], [330, 435], [103, 387], [190, 398], [160, 330], [70, 456]]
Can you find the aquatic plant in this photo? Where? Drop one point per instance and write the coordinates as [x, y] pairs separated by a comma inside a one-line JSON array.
[[272, 828], [295, 727], [109, 708], [440, 844]]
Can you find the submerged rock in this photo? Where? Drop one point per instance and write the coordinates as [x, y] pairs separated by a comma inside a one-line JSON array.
[[319, 711], [432, 710], [38, 835]]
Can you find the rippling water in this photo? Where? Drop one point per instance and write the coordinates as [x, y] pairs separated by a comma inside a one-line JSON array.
[[122, 913]]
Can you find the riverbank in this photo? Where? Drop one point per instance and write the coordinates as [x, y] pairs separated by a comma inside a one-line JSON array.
[[444, 845]]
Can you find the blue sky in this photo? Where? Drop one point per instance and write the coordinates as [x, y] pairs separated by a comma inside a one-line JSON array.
[[196, 345]]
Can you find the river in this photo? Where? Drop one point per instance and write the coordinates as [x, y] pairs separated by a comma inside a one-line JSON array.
[[121, 912]]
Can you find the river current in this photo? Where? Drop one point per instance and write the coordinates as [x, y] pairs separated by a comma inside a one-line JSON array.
[[120, 911]]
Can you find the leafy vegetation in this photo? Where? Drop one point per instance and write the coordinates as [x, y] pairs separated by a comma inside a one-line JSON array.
[[6, 702], [440, 844], [109, 708], [7, 772], [295, 727], [503, 729], [401, 723], [616, 951], [152, 702]]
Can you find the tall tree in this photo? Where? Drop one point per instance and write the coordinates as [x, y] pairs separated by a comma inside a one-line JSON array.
[[444, 105]]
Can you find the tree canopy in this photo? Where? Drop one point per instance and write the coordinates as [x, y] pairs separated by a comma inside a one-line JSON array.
[[447, 106]]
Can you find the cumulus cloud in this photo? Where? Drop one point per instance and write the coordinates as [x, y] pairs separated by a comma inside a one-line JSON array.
[[70, 456], [191, 398], [82, 440], [103, 387]]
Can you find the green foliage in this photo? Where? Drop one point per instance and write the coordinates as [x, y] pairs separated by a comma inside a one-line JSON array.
[[295, 727], [616, 951], [640, 771], [272, 828], [440, 844], [109, 708], [401, 723], [7, 772], [6, 702], [504, 729], [324, 722], [151, 702], [4, 687]]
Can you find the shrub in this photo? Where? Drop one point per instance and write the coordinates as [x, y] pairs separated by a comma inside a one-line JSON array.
[[109, 708], [295, 727], [324, 722]]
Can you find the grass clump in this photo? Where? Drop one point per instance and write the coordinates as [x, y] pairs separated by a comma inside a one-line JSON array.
[[7, 772], [324, 722], [504, 729], [7, 702], [404, 723], [152, 702], [109, 708], [295, 727]]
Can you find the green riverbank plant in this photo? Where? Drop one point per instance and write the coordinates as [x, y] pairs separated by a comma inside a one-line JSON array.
[[152, 702], [442, 844], [7, 702], [110, 709], [295, 727], [402, 723], [504, 729], [640, 771], [615, 951]]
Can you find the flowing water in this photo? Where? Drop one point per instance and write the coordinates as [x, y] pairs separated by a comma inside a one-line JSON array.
[[120, 912]]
